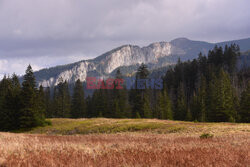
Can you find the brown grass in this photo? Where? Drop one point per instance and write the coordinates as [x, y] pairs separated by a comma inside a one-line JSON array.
[[229, 148]]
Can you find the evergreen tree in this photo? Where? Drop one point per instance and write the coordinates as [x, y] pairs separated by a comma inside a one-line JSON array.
[[188, 115], [245, 105], [201, 100], [181, 105], [78, 108], [223, 100], [119, 98], [146, 109], [164, 106], [6, 105], [141, 106], [142, 72], [62, 101], [101, 106], [13, 102], [41, 101], [31, 114], [48, 103]]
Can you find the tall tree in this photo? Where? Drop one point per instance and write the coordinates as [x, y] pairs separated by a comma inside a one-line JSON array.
[[5, 96], [61, 101], [223, 99], [181, 105], [141, 106], [48, 103], [78, 107], [164, 106], [119, 98], [201, 101], [31, 115], [245, 105]]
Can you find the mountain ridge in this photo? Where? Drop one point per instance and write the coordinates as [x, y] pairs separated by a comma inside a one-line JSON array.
[[156, 55]]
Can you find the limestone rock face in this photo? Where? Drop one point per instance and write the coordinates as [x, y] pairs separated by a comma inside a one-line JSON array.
[[126, 55]]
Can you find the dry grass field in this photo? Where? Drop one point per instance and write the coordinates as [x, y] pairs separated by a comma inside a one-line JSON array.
[[127, 142]]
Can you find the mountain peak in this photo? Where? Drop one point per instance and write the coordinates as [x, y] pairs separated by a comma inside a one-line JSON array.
[[181, 39]]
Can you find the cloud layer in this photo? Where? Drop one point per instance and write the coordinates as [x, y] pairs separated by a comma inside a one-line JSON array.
[[51, 32]]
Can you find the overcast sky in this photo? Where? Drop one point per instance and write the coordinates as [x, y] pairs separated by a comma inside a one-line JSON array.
[[45, 33]]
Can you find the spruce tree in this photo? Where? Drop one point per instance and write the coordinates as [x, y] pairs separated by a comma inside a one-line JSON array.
[[146, 109], [201, 99], [41, 101], [31, 114], [13, 102], [245, 105], [119, 98], [48, 103], [188, 115], [140, 97], [61, 101], [181, 105], [5, 85], [223, 99], [164, 106], [168, 113], [78, 108]]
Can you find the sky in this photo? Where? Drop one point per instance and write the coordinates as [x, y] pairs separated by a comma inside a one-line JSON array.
[[45, 33]]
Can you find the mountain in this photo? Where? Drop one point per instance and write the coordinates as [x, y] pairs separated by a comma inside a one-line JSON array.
[[128, 58]]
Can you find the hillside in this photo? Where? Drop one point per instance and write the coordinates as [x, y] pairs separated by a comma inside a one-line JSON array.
[[155, 55]]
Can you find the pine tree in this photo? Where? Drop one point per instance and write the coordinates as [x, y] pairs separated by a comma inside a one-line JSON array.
[[7, 112], [223, 100], [78, 108], [5, 86], [31, 115], [13, 104], [136, 103], [201, 99], [142, 72], [140, 97], [100, 104], [119, 99], [181, 105], [48, 103], [89, 107], [188, 115], [211, 97], [245, 105], [159, 107], [116, 108], [164, 106], [62, 100], [41, 101], [168, 113], [146, 109]]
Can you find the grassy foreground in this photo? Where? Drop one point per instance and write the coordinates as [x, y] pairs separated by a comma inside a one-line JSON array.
[[127, 142]]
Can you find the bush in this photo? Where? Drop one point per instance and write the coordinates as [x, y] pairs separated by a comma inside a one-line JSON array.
[[206, 136]]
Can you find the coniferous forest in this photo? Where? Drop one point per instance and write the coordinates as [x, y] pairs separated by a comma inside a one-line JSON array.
[[208, 89]]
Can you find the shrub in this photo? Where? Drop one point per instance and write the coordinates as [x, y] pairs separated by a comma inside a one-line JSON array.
[[206, 136]]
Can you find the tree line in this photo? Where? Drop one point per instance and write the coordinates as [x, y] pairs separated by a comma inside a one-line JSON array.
[[207, 89]]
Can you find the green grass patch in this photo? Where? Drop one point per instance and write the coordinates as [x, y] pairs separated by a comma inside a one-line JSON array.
[[98, 125], [61, 126]]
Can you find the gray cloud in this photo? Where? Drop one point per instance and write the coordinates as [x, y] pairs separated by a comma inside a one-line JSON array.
[[50, 32]]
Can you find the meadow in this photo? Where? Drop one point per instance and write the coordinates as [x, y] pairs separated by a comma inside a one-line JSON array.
[[127, 142]]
